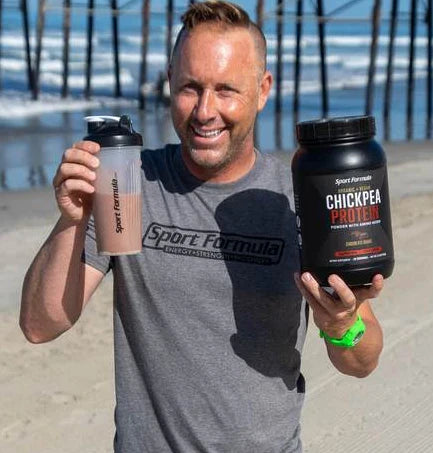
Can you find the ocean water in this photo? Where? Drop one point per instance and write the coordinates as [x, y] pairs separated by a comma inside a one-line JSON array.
[[35, 134]]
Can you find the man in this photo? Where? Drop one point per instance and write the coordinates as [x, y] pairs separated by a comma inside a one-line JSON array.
[[208, 321]]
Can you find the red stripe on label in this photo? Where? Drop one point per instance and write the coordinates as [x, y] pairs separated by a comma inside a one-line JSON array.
[[345, 253]]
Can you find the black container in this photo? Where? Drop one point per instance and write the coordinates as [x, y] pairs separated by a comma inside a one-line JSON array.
[[342, 202]]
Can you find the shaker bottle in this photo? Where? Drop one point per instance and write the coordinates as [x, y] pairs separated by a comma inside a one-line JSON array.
[[117, 200]]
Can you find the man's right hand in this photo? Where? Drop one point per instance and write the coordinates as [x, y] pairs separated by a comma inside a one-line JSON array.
[[74, 181]]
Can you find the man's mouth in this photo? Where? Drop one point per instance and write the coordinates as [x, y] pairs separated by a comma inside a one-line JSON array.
[[207, 133]]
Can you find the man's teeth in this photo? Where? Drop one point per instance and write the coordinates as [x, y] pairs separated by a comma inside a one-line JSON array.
[[207, 133]]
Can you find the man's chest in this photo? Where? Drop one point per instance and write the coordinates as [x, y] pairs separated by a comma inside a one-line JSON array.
[[249, 236]]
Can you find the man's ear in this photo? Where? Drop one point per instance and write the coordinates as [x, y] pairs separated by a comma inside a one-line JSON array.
[[264, 89]]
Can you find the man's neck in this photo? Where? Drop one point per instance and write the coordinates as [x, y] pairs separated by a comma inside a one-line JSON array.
[[232, 172]]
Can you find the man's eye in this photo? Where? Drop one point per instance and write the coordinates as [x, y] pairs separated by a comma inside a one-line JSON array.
[[189, 88], [226, 91]]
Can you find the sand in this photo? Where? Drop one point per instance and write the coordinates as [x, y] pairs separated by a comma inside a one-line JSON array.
[[59, 396]]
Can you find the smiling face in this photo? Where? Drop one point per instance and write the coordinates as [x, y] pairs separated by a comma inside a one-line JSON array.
[[217, 88]]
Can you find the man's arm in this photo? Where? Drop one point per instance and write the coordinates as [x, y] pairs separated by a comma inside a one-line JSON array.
[[363, 358], [335, 314], [58, 285]]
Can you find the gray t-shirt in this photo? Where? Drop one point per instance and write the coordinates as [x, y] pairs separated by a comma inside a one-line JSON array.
[[208, 322]]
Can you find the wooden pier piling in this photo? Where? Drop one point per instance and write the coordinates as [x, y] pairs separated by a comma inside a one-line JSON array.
[[115, 32], [259, 13], [373, 54], [259, 22], [145, 13], [279, 67], [429, 17], [322, 47], [39, 35], [1, 33], [389, 71], [410, 84], [25, 15], [169, 35], [66, 34], [297, 75], [89, 51]]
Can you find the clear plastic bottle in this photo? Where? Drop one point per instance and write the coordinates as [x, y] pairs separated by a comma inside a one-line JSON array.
[[117, 204]]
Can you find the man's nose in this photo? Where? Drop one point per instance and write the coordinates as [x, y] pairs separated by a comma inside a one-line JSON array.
[[205, 109]]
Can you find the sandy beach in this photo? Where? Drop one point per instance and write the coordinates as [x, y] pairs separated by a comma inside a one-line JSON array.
[[59, 396]]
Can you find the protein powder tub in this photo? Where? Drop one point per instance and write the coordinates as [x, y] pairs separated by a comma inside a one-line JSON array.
[[341, 199]]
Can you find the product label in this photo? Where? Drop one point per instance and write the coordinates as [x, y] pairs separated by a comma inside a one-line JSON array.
[[343, 219], [215, 245], [116, 205]]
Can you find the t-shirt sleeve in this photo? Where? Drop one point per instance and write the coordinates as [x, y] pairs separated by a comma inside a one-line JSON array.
[[90, 254]]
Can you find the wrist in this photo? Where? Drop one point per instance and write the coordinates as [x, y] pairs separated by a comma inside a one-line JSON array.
[[338, 329], [66, 222], [65, 227], [349, 338]]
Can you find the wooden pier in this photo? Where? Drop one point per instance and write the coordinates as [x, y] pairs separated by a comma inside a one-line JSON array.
[[420, 14]]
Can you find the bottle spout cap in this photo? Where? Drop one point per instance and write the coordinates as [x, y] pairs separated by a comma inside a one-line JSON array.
[[125, 123], [112, 131], [98, 118], [95, 122]]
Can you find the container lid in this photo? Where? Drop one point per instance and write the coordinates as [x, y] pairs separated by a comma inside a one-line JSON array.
[[111, 131], [336, 129]]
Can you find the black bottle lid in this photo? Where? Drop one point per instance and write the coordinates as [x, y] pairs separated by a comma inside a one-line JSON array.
[[337, 130], [110, 131]]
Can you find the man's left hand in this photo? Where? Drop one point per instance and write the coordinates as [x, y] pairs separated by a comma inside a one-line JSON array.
[[335, 313]]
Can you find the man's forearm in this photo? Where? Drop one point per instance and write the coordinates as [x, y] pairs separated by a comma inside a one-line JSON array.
[[52, 295], [335, 312], [362, 359]]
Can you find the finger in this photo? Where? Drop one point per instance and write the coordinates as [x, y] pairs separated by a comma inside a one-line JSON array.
[[299, 284], [318, 310], [346, 296], [370, 292], [87, 145], [320, 295], [309, 297], [78, 156], [70, 186], [74, 171]]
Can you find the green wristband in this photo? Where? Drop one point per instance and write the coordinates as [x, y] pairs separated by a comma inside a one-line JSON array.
[[350, 338]]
